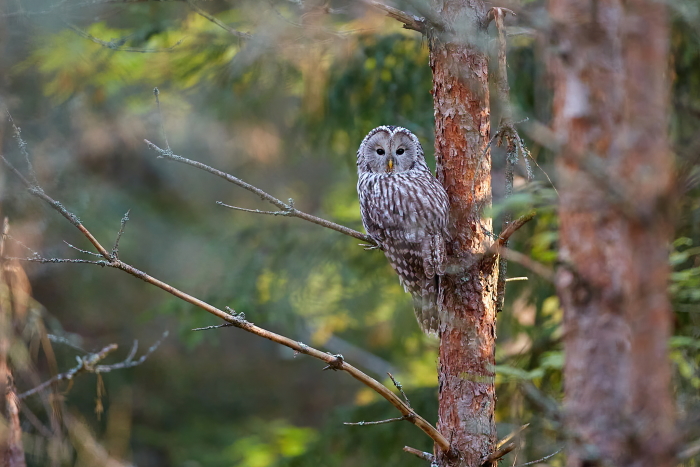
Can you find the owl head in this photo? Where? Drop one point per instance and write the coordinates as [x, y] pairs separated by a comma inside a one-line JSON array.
[[390, 150]]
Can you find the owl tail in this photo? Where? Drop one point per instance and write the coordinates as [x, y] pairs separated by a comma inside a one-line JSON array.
[[425, 305]]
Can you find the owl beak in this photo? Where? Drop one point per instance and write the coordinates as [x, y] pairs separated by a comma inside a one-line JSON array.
[[390, 165]]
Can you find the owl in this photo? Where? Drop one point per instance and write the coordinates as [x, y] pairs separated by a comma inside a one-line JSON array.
[[406, 211]]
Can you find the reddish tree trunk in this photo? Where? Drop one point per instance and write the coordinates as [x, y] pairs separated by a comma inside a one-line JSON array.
[[610, 113], [468, 327]]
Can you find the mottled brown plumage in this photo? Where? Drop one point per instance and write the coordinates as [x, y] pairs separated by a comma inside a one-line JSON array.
[[406, 211]]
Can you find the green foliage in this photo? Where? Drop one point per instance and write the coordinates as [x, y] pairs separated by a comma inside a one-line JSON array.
[[286, 112]]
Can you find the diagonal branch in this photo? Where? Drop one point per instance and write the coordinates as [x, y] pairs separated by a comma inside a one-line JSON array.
[[215, 20], [409, 21], [497, 454], [118, 45], [502, 240], [418, 453], [287, 209], [334, 362], [379, 422]]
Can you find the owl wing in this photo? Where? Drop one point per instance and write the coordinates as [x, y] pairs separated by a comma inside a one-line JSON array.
[[407, 214]]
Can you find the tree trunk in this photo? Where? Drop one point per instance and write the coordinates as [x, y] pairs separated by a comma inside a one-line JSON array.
[[468, 302], [615, 173]]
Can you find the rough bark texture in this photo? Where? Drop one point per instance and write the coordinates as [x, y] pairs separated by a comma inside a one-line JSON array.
[[615, 169], [468, 313]]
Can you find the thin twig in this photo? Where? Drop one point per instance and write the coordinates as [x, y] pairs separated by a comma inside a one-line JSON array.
[[511, 435], [217, 326], [65, 341], [255, 211], [399, 387], [289, 207], [132, 352], [23, 148], [88, 364], [213, 19], [418, 453], [541, 460], [85, 364], [129, 362], [502, 240], [78, 249], [379, 422], [156, 93], [122, 225], [409, 21], [117, 45], [43, 260], [10, 237], [69, 216], [498, 454]]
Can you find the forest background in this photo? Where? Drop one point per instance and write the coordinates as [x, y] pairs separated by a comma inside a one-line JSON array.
[[284, 110]]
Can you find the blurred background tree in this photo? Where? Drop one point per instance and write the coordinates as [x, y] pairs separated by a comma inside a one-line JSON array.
[[284, 110]]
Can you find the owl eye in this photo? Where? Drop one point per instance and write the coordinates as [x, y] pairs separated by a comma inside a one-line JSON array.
[[400, 151], [380, 151]]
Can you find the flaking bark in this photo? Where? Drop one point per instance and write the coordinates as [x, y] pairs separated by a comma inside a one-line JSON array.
[[468, 328]]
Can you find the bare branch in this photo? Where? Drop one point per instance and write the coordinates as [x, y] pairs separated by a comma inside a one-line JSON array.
[[287, 207], [23, 148], [493, 12], [409, 21], [77, 249], [217, 326], [517, 279], [497, 454], [418, 453], [129, 362], [400, 388], [115, 248], [542, 459], [85, 364], [156, 93], [10, 237], [43, 260], [380, 422], [286, 212], [502, 240], [89, 364], [70, 217], [213, 19], [65, 341], [118, 45], [511, 435]]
